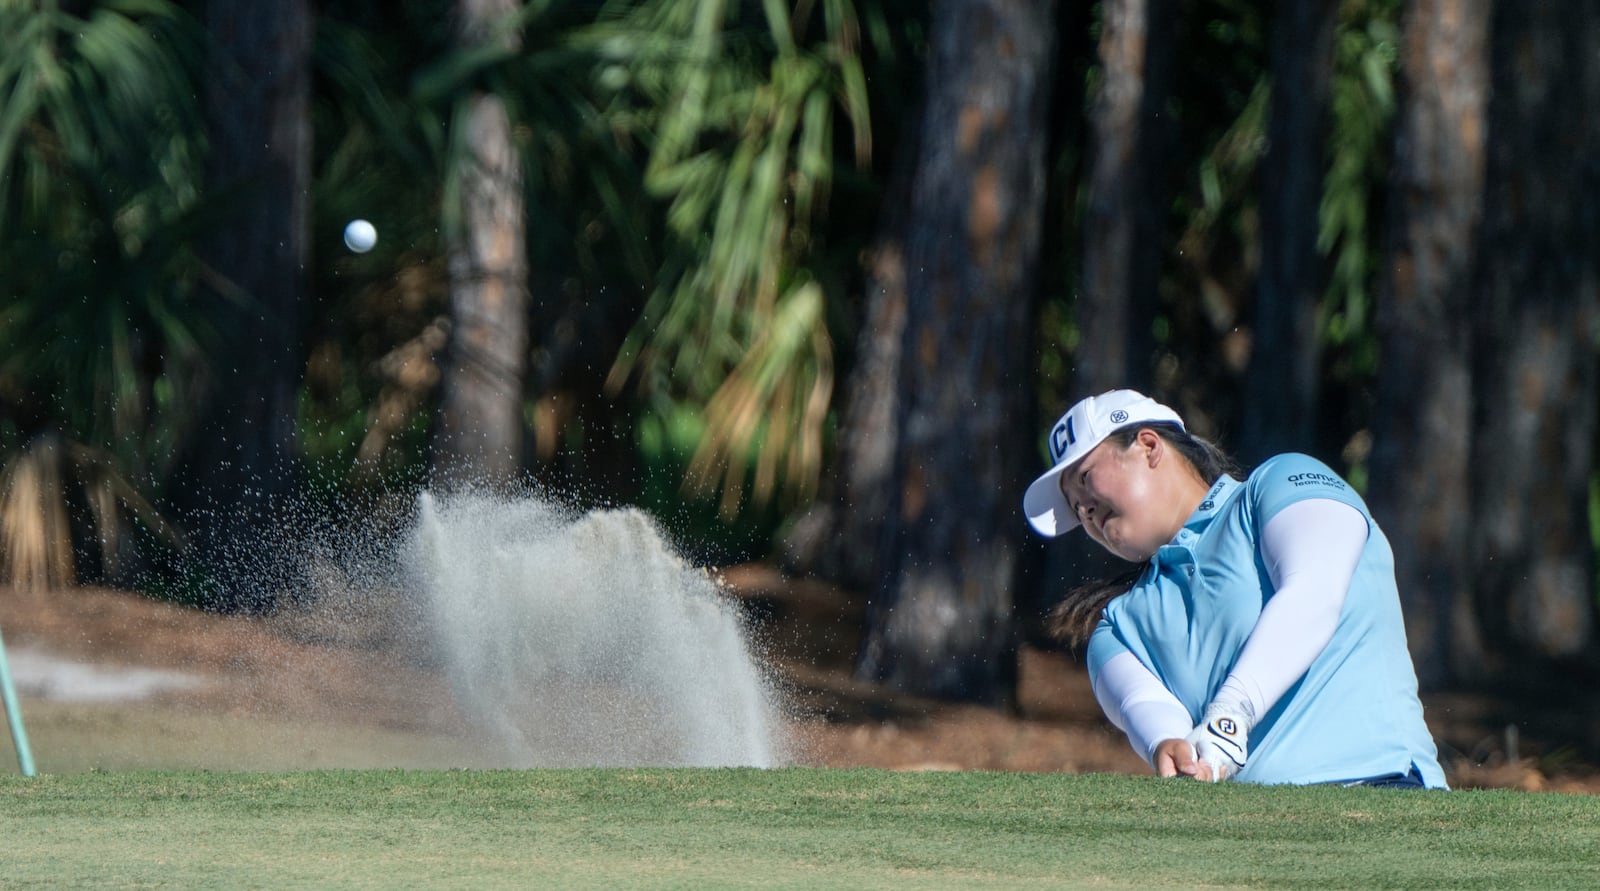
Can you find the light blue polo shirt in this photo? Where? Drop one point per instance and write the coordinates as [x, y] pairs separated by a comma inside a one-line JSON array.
[[1355, 713]]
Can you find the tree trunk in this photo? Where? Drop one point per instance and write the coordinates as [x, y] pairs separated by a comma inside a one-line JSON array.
[[837, 537], [1124, 234], [833, 539], [1125, 218], [1420, 466], [1535, 375], [479, 436], [940, 622], [1282, 384], [241, 473]]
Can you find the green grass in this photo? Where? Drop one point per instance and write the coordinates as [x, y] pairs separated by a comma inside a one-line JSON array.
[[790, 828]]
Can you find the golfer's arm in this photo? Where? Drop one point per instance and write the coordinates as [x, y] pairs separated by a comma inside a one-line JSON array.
[[1311, 549], [1139, 705]]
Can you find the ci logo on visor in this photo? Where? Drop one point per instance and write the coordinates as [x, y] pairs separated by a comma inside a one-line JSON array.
[[1061, 438]]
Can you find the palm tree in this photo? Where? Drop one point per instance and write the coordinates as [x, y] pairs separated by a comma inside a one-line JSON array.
[[487, 150], [678, 159], [100, 170], [740, 118]]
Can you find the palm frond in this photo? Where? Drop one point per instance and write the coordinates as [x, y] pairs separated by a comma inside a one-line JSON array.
[[100, 170], [1366, 58], [741, 150], [774, 403]]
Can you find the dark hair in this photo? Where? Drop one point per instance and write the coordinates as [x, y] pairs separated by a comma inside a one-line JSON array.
[[1073, 619]]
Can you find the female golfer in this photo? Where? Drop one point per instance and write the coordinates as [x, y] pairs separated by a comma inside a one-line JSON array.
[[1261, 640]]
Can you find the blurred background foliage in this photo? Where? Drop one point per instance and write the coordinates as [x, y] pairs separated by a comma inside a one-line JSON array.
[[703, 180], [101, 156]]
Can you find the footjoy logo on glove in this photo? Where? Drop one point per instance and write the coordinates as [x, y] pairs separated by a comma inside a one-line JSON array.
[[1226, 725]]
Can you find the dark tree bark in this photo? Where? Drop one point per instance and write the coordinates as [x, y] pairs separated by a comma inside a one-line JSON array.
[[242, 471], [1124, 237], [1421, 461], [1282, 384], [940, 621], [1534, 377], [836, 538], [479, 435], [1125, 217]]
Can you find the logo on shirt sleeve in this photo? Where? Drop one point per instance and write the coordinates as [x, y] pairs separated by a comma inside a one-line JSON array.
[[1317, 479]]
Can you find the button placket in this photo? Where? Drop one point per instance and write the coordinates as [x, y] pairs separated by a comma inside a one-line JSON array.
[[1185, 541], [1174, 556]]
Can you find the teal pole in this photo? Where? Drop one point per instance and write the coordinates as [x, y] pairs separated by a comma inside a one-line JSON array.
[[19, 735]]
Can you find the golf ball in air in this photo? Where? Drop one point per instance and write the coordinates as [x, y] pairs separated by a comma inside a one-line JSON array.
[[360, 236]]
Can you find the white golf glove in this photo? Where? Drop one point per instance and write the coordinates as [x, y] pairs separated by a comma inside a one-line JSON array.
[[1223, 739]]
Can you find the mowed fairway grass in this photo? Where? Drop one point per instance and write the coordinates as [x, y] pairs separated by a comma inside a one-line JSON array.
[[788, 828]]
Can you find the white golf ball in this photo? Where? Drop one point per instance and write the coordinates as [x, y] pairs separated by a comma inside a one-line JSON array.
[[360, 236]]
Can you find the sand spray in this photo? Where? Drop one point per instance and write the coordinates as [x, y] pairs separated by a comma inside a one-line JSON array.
[[584, 640]]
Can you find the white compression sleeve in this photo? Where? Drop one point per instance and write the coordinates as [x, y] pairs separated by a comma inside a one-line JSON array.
[[1139, 705], [1311, 549]]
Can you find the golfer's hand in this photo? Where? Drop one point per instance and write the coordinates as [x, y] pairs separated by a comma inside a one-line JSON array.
[[1177, 758], [1222, 741]]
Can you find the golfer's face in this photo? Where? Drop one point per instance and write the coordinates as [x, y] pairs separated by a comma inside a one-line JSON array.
[[1109, 491]]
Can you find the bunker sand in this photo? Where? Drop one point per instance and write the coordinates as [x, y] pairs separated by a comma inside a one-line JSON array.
[[292, 692]]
